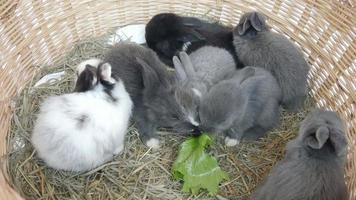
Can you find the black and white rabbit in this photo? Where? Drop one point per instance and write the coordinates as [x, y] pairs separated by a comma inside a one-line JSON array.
[[244, 106], [82, 130], [313, 167], [168, 33], [256, 45], [196, 73], [151, 88]]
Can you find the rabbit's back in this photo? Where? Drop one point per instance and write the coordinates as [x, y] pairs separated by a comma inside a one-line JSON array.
[[122, 58], [212, 64], [313, 165], [204, 26], [78, 131], [271, 51], [312, 180], [262, 86], [278, 55], [261, 112]]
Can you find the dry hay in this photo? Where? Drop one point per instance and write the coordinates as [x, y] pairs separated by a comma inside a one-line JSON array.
[[137, 173]]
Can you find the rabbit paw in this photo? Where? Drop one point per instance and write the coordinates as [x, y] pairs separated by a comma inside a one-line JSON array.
[[230, 142], [153, 143]]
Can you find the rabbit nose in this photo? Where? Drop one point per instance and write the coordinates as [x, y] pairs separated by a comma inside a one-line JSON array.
[[196, 131], [196, 128]]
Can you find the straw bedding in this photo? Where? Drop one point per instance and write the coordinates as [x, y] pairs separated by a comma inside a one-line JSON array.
[[137, 173]]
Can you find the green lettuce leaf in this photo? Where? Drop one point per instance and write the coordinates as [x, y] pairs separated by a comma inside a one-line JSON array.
[[196, 168]]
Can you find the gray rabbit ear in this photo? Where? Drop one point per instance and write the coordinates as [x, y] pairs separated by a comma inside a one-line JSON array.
[[180, 73], [318, 140], [187, 64], [258, 21], [243, 25], [149, 76], [339, 142]]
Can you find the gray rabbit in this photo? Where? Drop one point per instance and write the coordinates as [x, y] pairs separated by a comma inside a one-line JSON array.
[[244, 106], [313, 167], [196, 73], [151, 88], [256, 45]]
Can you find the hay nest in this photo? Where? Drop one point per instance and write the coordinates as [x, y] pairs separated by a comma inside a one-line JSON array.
[[137, 173]]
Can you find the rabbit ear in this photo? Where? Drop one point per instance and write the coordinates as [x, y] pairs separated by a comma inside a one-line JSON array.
[[257, 21], [180, 73], [339, 142], [243, 25], [149, 76], [86, 79], [318, 140], [187, 64], [105, 73]]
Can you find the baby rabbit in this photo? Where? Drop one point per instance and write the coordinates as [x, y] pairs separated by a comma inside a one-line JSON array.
[[167, 34], [244, 106], [150, 86], [313, 167], [196, 73], [256, 45], [84, 129]]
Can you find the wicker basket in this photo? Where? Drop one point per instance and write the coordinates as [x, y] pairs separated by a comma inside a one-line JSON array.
[[36, 33]]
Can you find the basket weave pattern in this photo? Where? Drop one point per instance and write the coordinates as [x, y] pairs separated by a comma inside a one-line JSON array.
[[38, 33]]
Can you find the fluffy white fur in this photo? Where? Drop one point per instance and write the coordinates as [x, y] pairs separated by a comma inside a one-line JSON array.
[[64, 143], [153, 143], [230, 142]]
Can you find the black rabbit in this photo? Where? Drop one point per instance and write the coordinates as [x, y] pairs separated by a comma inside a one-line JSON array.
[[167, 34]]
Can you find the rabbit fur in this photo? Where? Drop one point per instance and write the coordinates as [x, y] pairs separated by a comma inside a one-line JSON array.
[[151, 88], [243, 106], [256, 45], [84, 129], [168, 34], [196, 73], [313, 167]]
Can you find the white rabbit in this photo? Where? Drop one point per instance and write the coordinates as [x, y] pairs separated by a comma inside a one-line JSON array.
[[84, 129]]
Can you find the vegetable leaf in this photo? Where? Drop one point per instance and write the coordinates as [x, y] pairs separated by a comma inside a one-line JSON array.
[[196, 168]]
